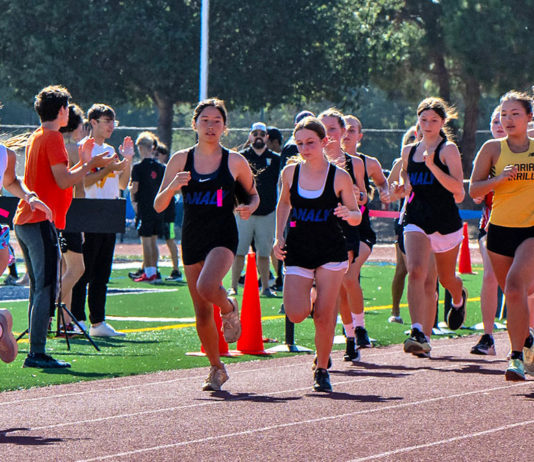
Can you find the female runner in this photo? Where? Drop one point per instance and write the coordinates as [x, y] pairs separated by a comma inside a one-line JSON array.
[[372, 171], [488, 291], [315, 192], [207, 175], [432, 178], [506, 167], [348, 297]]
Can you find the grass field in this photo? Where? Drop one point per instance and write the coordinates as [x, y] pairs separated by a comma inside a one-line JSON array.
[[155, 345]]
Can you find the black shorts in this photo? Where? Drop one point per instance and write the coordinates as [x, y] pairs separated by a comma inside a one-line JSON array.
[[505, 241], [150, 227], [168, 231], [367, 236], [399, 231], [72, 242]]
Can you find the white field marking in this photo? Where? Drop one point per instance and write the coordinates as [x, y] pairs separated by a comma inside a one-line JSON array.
[[212, 403], [301, 422], [146, 319], [376, 354], [124, 291], [448, 440]]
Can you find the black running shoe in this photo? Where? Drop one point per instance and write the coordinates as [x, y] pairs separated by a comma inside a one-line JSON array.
[[351, 353], [322, 380], [136, 274], [456, 316], [416, 343], [44, 361], [485, 346], [362, 338]]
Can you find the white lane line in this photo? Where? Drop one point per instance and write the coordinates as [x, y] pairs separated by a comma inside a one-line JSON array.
[[294, 424], [448, 440], [200, 377], [177, 408]]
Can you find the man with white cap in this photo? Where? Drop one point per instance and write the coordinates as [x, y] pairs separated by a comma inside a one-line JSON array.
[[265, 165]]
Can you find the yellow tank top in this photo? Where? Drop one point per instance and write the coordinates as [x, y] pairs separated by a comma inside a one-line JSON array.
[[513, 203]]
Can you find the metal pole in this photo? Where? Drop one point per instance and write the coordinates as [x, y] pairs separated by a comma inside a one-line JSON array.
[[204, 49]]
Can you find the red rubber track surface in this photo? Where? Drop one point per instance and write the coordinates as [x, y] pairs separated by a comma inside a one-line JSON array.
[[390, 406]]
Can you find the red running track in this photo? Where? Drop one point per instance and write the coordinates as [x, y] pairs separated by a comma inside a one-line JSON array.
[[391, 406]]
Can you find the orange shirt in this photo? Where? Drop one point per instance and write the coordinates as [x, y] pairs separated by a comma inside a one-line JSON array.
[[45, 148]]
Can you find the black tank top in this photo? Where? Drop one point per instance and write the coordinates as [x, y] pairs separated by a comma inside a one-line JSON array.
[[209, 220], [432, 206], [314, 236], [351, 233], [365, 224]]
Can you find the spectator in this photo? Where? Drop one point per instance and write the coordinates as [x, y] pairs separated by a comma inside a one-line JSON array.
[[169, 217], [98, 248], [265, 165], [274, 142], [46, 172], [146, 179]]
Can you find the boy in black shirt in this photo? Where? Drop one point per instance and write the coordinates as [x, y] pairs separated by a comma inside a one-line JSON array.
[[146, 180]]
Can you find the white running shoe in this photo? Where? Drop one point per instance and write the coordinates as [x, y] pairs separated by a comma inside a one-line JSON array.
[[105, 330]]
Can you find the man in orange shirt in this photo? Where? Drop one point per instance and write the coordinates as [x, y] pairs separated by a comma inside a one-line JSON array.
[[46, 173]]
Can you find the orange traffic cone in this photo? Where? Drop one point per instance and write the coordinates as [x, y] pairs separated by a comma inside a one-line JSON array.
[[223, 346], [251, 340], [464, 265]]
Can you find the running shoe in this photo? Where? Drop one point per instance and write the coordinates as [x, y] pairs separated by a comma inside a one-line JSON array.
[[10, 280], [485, 346], [215, 379], [396, 319], [322, 380], [145, 278], [528, 353], [456, 316], [268, 293], [515, 371], [231, 323], [105, 330], [417, 343], [362, 338], [231, 292], [8, 344], [44, 361], [351, 352], [136, 274], [175, 276]]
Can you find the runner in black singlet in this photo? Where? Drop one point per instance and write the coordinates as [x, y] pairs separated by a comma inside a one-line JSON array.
[[207, 175]]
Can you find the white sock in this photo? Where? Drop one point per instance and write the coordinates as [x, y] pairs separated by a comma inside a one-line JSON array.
[[150, 271], [427, 338], [418, 326], [358, 320], [349, 330]]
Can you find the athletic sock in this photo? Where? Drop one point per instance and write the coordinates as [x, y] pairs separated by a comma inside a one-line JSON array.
[[427, 338], [417, 326], [516, 355], [150, 271], [358, 320], [1, 331], [349, 330]]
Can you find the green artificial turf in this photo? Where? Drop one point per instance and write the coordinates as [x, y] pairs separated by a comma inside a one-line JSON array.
[[162, 345]]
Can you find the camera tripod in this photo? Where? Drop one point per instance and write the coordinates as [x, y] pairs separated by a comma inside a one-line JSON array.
[[61, 324]]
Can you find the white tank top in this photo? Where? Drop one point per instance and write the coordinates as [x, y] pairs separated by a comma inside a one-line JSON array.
[[3, 163]]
